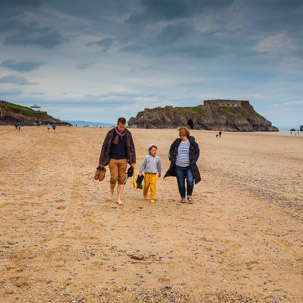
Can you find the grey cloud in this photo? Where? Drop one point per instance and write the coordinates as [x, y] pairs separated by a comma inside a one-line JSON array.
[[112, 94], [38, 93], [92, 9], [298, 53], [12, 8], [21, 66], [168, 9], [12, 13], [18, 28], [87, 102], [136, 48], [273, 16], [204, 50], [234, 29], [83, 66], [105, 43], [175, 32], [134, 69], [157, 10], [123, 98], [231, 23], [33, 35], [192, 49], [256, 19], [193, 84], [10, 92], [16, 80]]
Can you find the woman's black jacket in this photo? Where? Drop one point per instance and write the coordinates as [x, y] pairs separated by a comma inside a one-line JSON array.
[[194, 153]]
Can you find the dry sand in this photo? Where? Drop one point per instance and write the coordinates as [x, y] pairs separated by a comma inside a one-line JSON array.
[[61, 241]]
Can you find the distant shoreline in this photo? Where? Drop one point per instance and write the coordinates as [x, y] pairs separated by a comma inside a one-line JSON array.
[[282, 131]]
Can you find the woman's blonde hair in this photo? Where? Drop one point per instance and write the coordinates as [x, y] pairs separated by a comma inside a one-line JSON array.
[[183, 131]]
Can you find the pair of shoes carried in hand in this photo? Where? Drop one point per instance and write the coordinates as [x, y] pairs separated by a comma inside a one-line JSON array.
[[100, 173]]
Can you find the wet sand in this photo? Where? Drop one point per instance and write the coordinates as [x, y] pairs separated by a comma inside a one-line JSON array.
[[62, 241]]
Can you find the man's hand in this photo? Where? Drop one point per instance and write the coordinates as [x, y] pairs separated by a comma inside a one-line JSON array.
[[159, 176], [100, 165]]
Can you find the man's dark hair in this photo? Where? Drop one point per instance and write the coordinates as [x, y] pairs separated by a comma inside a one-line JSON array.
[[121, 120]]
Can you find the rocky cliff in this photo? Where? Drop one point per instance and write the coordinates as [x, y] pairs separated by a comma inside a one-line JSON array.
[[209, 117], [11, 113]]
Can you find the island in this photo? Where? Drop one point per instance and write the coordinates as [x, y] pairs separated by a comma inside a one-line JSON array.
[[226, 115]]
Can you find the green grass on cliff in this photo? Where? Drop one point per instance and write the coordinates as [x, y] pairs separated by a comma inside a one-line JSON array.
[[260, 116], [198, 110], [240, 112], [230, 111], [179, 110], [154, 110], [188, 110], [25, 111]]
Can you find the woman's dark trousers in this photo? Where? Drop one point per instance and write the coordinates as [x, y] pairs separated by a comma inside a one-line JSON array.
[[182, 174]]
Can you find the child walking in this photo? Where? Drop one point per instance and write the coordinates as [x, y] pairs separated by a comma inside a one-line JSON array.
[[151, 166]]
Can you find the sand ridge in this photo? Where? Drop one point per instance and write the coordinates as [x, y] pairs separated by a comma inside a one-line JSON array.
[[61, 241]]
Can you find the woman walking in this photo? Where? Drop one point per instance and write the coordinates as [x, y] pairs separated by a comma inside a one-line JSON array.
[[183, 154]]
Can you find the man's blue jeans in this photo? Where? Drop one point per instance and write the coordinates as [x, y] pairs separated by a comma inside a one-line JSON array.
[[182, 173]]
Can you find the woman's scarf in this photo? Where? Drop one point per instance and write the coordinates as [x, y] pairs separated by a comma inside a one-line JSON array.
[[118, 136]]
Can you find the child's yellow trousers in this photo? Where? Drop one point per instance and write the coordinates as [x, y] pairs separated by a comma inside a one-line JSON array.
[[150, 181]]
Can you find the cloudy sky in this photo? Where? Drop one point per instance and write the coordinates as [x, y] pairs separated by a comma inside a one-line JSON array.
[[95, 60]]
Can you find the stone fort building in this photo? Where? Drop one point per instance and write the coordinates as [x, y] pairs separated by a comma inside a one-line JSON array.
[[226, 103]]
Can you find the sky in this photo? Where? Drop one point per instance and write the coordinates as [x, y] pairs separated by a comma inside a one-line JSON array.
[[97, 60]]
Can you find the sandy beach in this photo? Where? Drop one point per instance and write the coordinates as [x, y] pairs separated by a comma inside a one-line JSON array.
[[62, 241]]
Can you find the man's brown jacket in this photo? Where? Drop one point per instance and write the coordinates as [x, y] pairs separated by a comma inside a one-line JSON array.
[[106, 146]]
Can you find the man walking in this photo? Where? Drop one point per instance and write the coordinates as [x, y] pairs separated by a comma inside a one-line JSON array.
[[118, 149]]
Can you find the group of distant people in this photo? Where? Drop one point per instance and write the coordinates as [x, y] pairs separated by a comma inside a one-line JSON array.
[[118, 149], [18, 127], [53, 127]]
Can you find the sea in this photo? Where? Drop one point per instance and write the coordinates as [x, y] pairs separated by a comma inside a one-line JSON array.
[[89, 123], [284, 131]]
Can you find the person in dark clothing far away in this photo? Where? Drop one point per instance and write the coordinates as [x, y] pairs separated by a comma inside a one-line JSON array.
[[118, 149], [183, 155]]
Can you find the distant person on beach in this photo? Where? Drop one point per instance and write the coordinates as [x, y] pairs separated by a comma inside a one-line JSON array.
[[183, 155], [220, 133], [48, 127], [19, 128], [118, 149], [150, 166], [16, 126], [54, 127]]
